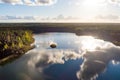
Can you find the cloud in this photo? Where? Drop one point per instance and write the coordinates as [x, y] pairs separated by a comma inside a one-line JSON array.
[[45, 2], [29, 2], [12, 1], [96, 62], [108, 17], [61, 18], [17, 18]]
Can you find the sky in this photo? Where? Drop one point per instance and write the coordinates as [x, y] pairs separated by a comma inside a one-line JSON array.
[[59, 10]]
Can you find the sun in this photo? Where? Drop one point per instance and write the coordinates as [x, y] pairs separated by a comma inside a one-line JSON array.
[[91, 8], [89, 43]]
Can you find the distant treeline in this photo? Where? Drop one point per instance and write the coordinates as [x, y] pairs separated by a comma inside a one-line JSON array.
[[105, 31], [61, 27]]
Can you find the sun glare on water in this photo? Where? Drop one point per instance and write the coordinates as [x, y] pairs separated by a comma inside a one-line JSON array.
[[89, 43]]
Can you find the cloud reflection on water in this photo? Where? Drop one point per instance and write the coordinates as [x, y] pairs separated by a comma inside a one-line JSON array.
[[96, 62], [69, 46]]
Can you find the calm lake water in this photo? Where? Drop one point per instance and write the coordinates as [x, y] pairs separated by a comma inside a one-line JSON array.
[[74, 58]]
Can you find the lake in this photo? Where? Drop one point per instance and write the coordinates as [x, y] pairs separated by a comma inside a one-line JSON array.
[[74, 58]]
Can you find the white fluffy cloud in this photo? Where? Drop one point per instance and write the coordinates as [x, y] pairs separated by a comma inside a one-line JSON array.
[[30, 2]]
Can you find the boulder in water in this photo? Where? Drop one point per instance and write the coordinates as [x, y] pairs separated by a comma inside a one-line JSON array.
[[53, 45]]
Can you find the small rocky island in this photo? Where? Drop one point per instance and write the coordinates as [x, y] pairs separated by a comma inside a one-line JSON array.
[[14, 43], [53, 45]]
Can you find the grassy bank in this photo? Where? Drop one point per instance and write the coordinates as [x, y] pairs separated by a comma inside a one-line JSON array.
[[14, 43]]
